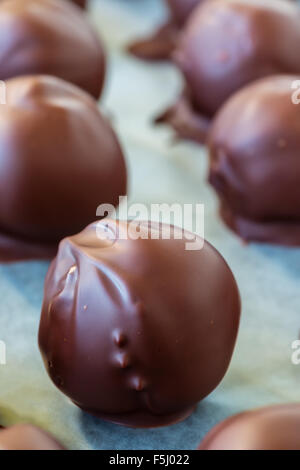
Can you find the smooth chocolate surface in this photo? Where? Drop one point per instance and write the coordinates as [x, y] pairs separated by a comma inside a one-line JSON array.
[[162, 43], [50, 37], [137, 331], [225, 45], [27, 437], [270, 428], [254, 161], [59, 160]]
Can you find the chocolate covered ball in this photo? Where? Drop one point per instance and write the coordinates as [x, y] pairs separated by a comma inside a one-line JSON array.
[[59, 160], [161, 44], [225, 45], [270, 428], [137, 330], [27, 437], [50, 37], [254, 161]]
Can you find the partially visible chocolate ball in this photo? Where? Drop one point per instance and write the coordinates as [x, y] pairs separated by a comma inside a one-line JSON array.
[[180, 10], [59, 160], [225, 45], [27, 437], [270, 428], [161, 44], [254, 161], [137, 330], [50, 37]]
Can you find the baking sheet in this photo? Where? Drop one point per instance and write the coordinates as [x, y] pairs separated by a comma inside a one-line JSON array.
[[161, 170]]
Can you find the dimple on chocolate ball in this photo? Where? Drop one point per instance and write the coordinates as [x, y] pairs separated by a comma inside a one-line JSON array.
[[225, 45], [50, 37], [254, 161], [270, 428], [137, 330], [59, 160], [27, 437]]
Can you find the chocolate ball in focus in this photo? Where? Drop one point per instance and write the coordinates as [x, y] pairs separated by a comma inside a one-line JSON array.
[[254, 161], [50, 37], [137, 330]]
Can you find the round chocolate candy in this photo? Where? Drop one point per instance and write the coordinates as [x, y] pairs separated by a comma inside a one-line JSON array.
[[270, 428], [137, 329], [254, 161], [27, 437], [59, 160], [225, 45], [50, 37]]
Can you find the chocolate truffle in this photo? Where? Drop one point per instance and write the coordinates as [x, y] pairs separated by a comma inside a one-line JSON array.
[[137, 330], [162, 43], [50, 37], [59, 160], [27, 437], [226, 44], [270, 428], [254, 161]]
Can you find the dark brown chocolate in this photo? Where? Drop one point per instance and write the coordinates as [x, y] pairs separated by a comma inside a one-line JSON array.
[[80, 3], [59, 160], [225, 45], [137, 331], [50, 37], [27, 437], [162, 43], [254, 161], [270, 428]]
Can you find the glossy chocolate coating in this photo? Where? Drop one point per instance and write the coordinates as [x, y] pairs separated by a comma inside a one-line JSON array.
[[59, 159], [254, 161], [225, 45], [27, 437], [137, 331], [50, 37], [270, 428], [161, 44]]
